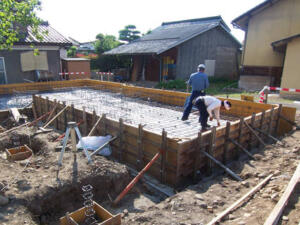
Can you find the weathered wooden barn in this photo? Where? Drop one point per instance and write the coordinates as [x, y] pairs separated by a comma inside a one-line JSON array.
[[20, 64], [174, 50]]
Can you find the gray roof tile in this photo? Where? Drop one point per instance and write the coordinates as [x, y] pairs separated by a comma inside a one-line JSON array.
[[169, 35]]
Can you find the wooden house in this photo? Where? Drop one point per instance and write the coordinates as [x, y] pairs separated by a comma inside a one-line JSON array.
[[20, 64], [175, 49], [272, 45]]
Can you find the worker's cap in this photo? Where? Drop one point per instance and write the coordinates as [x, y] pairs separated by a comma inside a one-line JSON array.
[[201, 66], [227, 105]]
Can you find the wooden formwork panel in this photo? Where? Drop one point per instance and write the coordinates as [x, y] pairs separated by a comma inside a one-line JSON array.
[[180, 155]]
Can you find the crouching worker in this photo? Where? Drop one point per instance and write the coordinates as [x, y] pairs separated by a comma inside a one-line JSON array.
[[207, 106]]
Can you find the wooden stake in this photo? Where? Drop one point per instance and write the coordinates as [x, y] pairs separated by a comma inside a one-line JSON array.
[[34, 107], [251, 134], [94, 127], [163, 156], [121, 127], [84, 120], [56, 125], [65, 117], [278, 209], [242, 148], [271, 121], [261, 126], [104, 124], [73, 112], [211, 148], [278, 119], [227, 170], [197, 156], [226, 144], [240, 135], [57, 115], [140, 147], [240, 201], [47, 104], [51, 113], [253, 131]]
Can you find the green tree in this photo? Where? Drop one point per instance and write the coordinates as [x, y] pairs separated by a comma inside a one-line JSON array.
[[105, 43], [108, 62], [129, 33], [15, 15], [72, 51]]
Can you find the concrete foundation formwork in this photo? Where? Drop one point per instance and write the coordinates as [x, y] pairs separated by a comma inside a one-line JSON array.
[[137, 144]]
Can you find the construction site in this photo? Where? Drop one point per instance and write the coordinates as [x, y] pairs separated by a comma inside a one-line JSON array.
[[156, 168]]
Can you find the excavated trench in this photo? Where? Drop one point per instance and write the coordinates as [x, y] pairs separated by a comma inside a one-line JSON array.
[[49, 194]]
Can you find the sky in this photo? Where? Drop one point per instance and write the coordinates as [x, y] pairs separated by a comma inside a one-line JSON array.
[[84, 19]]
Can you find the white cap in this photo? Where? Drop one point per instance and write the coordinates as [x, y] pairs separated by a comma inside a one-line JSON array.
[[226, 105], [201, 66]]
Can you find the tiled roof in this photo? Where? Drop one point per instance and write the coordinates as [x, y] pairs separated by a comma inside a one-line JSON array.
[[50, 36], [169, 35]]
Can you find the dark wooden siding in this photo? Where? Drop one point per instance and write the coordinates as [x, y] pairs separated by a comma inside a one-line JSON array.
[[214, 44], [13, 65]]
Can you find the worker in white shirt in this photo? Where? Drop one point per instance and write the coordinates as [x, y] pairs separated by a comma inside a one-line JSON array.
[[207, 106]]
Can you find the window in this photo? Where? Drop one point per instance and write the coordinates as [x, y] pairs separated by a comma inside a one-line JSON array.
[[2, 71]]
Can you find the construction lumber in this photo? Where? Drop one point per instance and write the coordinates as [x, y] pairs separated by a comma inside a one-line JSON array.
[[163, 156], [121, 132], [51, 113], [101, 147], [261, 127], [15, 113], [198, 151], [211, 147], [240, 201], [255, 134], [268, 135], [278, 118], [227, 170], [70, 220], [167, 191], [84, 121], [94, 127], [136, 179], [57, 115], [242, 148], [251, 133], [140, 147], [279, 207], [289, 121], [226, 145], [23, 125]]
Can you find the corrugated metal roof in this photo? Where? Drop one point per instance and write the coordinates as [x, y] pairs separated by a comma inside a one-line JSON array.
[[169, 35], [49, 34]]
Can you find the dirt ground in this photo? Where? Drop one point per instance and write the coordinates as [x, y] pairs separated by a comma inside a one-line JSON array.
[[33, 192]]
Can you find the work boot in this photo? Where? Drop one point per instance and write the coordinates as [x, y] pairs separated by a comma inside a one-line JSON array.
[[184, 118]]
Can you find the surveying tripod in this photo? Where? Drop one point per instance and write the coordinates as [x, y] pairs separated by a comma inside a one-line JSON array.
[[71, 129]]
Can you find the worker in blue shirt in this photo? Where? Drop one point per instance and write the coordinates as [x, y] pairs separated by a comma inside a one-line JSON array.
[[199, 82]]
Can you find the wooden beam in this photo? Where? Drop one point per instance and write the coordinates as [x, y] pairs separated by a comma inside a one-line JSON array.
[[94, 127], [240, 201], [121, 133], [57, 115], [65, 117], [268, 135], [253, 131], [197, 156], [289, 121], [84, 121], [226, 144], [212, 143], [236, 155], [227, 170], [73, 112], [163, 156], [34, 107], [51, 113], [140, 147], [252, 124], [271, 121], [261, 127], [279, 207], [242, 148], [278, 118]]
